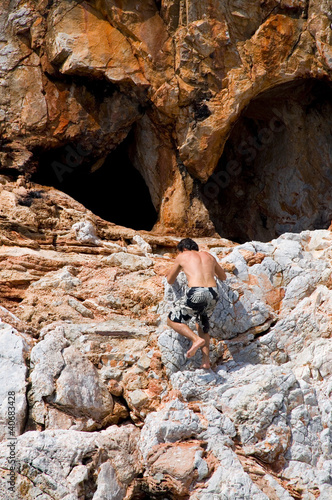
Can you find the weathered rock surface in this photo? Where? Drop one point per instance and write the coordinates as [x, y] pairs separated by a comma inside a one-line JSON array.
[[107, 405], [226, 105], [66, 464]]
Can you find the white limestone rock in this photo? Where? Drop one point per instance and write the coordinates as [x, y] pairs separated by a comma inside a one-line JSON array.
[[287, 251], [297, 332], [321, 239], [63, 279], [241, 268], [201, 385], [76, 479], [108, 487], [174, 423], [85, 232], [61, 375], [46, 363], [230, 482], [144, 245], [61, 464], [272, 413], [280, 492], [80, 308], [238, 315], [129, 261], [220, 430], [173, 348], [113, 247], [251, 397], [301, 286], [79, 390]]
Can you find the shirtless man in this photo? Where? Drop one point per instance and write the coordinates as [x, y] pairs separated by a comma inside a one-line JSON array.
[[201, 298]]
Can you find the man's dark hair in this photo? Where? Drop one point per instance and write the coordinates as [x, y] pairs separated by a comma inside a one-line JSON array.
[[187, 244]]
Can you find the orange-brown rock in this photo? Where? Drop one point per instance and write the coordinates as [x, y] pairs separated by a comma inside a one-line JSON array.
[[177, 462], [115, 388]]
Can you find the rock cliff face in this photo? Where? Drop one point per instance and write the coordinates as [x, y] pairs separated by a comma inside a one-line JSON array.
[[222, 112], [225, 105], [107, 406]]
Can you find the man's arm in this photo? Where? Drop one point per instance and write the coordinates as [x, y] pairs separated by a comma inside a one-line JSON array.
[[219, 272], [173, 272]]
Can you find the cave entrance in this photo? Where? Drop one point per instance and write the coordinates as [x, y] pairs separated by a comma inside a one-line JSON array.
[[275, 174], [111, 188]]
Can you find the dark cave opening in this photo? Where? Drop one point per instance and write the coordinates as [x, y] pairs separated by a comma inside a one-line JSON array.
[[275, 173], [111, 188]]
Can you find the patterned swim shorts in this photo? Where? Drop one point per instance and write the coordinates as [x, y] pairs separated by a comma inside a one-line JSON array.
[[199, 303]]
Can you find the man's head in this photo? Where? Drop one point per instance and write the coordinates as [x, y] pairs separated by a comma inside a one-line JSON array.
[[187, 244]]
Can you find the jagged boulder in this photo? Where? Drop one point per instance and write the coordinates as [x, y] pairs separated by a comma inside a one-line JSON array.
[[67, 464]]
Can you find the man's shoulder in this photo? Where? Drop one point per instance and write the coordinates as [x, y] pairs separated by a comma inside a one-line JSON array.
[[207, 254], [184, 257], [180, 258]]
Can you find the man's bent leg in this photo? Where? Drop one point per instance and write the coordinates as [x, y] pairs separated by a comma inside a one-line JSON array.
[[184, 330], [206, 347]]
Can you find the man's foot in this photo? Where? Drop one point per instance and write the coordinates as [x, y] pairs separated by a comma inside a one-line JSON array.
[[205, 366], [194, 348]]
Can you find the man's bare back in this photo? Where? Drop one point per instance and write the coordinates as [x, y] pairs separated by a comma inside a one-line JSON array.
[[200, 268]]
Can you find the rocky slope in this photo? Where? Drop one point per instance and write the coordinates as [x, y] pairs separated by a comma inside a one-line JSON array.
[[203, 91], [106, 404]]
